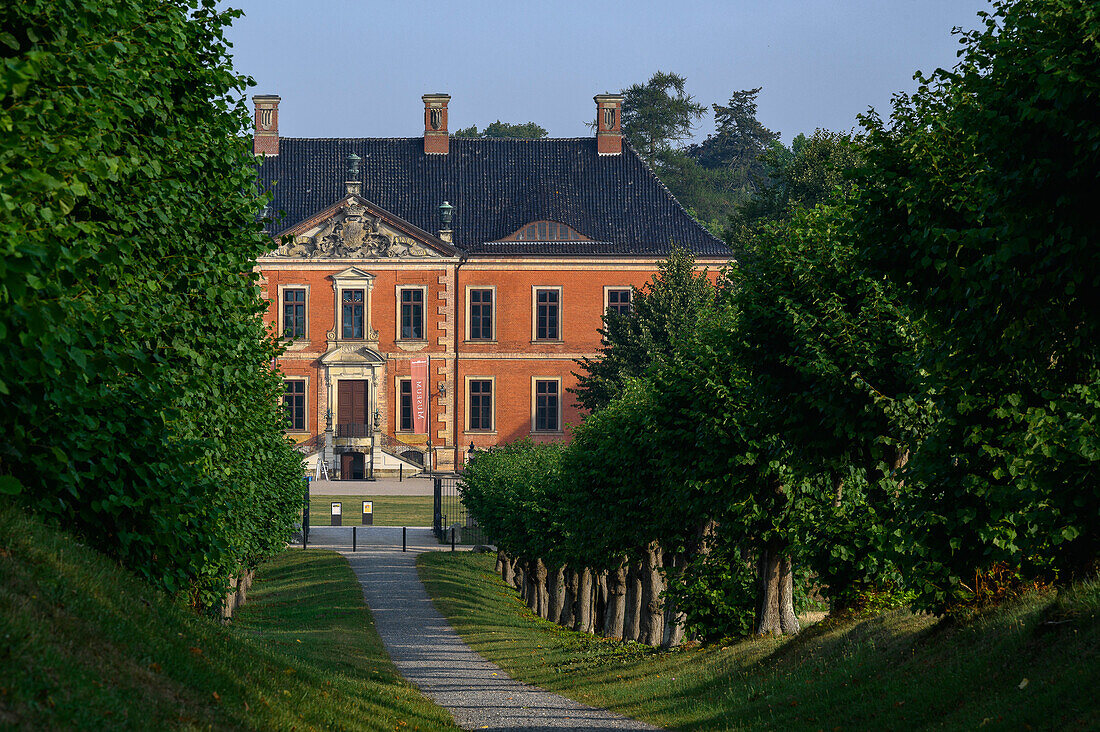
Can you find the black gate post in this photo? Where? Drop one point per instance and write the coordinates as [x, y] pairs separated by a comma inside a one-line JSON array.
[[305, 517], [437, 509]]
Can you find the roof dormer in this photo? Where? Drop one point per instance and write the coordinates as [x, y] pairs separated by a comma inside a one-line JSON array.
[[546, 231]]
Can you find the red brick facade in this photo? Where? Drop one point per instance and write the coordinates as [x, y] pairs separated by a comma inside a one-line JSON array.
[[361, 292]]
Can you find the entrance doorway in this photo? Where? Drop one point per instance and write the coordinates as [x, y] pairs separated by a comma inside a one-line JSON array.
[[353, 408], [353, 466]]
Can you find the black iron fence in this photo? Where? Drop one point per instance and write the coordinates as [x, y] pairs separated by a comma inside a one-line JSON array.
[[451, 516]]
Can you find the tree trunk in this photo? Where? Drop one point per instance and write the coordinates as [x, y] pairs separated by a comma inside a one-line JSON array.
[[556, 600], [499, 569], [582, 622], [506, 573], [775, 606], [652, 625], [767, 599], [531, 585], [615, 612], [543, 593], [632, 625], [788, 621], [674, 618], [518, 580], [569, 608], [600, 611]]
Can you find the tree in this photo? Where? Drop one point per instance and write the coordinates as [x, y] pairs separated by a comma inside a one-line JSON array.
[[498, 129], [140, 404], [662, 314], [813, 170], [658, 114], [979, 203], [738, 144]]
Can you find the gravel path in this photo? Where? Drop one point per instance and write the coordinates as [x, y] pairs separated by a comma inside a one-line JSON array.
[[429, 653]]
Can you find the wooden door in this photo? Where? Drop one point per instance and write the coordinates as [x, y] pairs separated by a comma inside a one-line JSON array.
[[352, 407], [353, 466]]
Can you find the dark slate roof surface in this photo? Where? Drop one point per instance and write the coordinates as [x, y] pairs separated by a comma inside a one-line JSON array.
[[496, 186]]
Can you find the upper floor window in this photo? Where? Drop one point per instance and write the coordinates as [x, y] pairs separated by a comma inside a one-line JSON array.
[[618, 301], [481, 314], [294, 312], [546, 231], [294, 401], [547, 308], [352, 314], [412, 313]]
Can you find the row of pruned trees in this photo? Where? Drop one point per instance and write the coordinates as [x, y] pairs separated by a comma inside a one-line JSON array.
[[894, 392], [141, 410]]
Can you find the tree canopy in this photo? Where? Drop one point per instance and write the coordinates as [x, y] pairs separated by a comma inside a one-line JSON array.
[[141, 408], [498, 129]]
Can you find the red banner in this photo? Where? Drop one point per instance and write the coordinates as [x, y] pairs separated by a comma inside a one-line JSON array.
[[420, 395]]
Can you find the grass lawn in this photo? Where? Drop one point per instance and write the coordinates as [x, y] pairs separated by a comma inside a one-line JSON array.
[[1033, 665], [388, 510], [86, 645]]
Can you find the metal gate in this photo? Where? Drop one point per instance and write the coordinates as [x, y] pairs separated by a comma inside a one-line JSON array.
[[450, 514]]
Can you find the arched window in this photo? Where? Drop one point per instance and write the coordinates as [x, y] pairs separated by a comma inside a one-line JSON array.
[[546, 231]]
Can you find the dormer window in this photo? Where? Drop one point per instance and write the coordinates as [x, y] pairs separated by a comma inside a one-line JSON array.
[[546, 231]]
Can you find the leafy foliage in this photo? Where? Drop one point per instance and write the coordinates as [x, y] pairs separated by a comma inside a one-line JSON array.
[[663, 314], [979, 204], [512, 490], [526, 131], [658, 114], [141, 407], [738, 144]]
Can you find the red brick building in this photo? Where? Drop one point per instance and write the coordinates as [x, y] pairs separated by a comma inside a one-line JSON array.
[[494, 260]]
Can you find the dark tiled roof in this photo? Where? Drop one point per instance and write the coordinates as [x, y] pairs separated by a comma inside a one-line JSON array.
[[496, 186], [565, 248]]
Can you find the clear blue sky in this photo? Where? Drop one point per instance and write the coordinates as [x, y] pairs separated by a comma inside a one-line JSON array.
[[357, 69]]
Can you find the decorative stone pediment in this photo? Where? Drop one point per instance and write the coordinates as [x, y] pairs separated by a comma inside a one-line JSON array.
[[354, 229], [353, 355]]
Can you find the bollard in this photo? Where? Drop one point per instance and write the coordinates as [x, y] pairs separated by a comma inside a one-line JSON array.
[[354, 537], [404, 535], [452, 538], [400, 473]]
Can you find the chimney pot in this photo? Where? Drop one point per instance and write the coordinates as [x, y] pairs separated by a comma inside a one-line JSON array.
[[609, 124], [436, 139], [265, 140]]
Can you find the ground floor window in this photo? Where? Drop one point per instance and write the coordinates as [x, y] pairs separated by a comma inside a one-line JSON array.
[[294, 401], [481, 405]]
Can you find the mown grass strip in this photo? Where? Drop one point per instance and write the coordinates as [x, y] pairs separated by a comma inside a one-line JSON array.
[[896, 670], [86, 645], [388, 510]]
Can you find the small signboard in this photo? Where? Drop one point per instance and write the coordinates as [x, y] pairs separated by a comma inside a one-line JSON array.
[[368, 513], [336, 517]]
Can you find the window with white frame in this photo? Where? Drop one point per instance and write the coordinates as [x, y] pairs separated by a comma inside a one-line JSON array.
[[294, 401], [411, 313], [617, 300], [404, 405], [293, 311], [547, 405], [481, 313], [353, 313], [547, 315], [479, 404]]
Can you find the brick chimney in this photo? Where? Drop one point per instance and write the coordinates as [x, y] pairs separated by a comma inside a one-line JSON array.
[[266, 139], [609, 124], [436, 140]]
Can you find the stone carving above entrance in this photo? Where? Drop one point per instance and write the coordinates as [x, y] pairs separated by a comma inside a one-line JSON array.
[[352, 233]]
